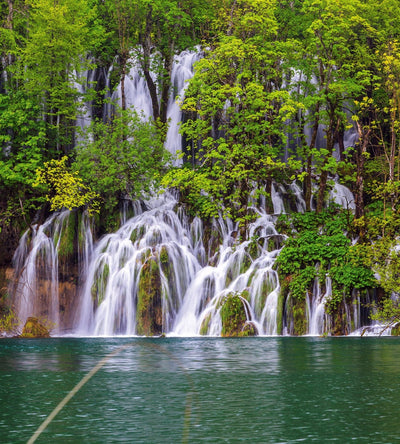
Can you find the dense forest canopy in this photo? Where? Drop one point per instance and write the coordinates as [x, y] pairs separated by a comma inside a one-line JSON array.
[[272, 77]]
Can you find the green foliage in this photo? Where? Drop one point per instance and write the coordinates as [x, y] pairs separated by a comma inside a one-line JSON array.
[[383, 258], [9, 323], [64, 188], [121, 158], [389, 311], [233, 317], [149, 304], [318, 246], [238, 117], [23, 137], [59, 35]]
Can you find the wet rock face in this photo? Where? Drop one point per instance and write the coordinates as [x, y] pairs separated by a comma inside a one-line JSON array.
[[149, 305], [6, 276], [33, 328], [233, 317], [68, 298], [9, 238]]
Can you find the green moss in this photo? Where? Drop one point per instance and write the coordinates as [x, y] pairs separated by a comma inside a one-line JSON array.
[[280, 310], [205, 325], [395, 330], [266, 288], [164, 257], [233, 317], [254, 248], [298, 312], [98, 289], [81, 233], [33, 328], [137, 233], [245, 264], [212, 240], [149, 305], [66, 242]]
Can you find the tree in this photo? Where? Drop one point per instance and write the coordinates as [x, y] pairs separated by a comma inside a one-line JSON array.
[[239, 112], [330, 76], [64, 188], [60, 36], [121, 158]]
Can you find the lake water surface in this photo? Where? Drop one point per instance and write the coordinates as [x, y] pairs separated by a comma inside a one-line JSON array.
[[202, 390]]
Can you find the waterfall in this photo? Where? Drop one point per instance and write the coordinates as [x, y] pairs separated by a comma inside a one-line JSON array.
[[191, 289], [317, 318], [138, 96], [156, 237], [36, 268], [164, 272], [244, 268], [342, 196]]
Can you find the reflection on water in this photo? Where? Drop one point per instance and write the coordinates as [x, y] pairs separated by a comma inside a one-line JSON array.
[[265, 390]]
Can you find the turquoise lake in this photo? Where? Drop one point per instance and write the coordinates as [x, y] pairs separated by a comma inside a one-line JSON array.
[[202, 390]]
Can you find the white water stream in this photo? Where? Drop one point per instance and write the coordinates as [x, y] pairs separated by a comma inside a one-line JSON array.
[[196, 267]]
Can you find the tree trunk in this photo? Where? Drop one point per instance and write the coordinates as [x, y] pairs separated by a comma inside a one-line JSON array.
[[124, 60], [363, 140], [166, 84], [323, 179], [146, 45], [308, 179]]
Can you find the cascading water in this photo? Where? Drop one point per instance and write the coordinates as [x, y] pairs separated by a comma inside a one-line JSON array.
[[162, 272], [317, 318], [36, 267], [138, 96], [182, 71], [189, 291], [116, 279]]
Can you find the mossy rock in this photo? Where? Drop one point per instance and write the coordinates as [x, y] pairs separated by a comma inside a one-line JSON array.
[[149, 306], [33, 328], [395, 330], [233, 317], [98, 289], [212, 239], [339, 322], [249, 329], [164, 257], [137, 233], [205, 325], [296, 312], [274, 242], [67, 240]]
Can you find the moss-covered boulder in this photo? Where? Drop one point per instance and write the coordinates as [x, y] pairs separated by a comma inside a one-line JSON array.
[[395, 331], [149, 305], [33, 328], [233, 317]]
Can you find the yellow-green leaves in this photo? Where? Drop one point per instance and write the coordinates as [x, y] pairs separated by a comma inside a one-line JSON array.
[[65, 189]]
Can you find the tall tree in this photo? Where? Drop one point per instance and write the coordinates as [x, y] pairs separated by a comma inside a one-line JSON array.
[[240, 113], [330, 46], [59, 39]]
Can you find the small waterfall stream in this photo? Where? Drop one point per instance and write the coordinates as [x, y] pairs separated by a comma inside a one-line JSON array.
[[36, 291]]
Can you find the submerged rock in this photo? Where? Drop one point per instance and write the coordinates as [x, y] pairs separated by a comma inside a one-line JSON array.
[[33, 328]]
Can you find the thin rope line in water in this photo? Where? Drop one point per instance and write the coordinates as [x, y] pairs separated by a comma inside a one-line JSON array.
[[95, 369], [78, 386]]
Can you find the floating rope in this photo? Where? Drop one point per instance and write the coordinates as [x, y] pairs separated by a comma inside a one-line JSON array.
[[95, 369]]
